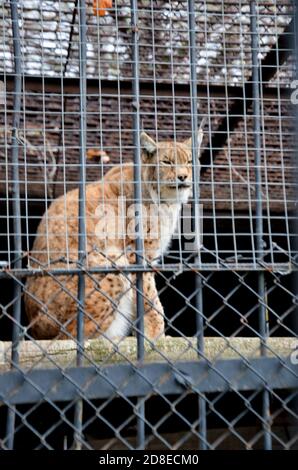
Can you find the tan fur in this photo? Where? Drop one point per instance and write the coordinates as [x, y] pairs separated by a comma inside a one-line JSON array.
[[51, 301]]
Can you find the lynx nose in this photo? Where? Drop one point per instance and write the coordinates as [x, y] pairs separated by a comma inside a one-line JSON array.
[[182, 177]]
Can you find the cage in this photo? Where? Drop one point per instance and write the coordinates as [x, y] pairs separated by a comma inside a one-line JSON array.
[[148, 188]]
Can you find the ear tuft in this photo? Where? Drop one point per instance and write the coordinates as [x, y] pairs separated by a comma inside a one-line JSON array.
[[199, 136], [147, 144]]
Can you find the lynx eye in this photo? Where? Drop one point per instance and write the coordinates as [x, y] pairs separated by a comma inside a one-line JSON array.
[[166, 162]]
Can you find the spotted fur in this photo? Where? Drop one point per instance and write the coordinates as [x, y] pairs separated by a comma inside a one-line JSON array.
[[109, 297]]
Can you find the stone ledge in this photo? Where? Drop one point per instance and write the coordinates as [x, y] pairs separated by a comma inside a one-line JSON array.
[[53, 353]]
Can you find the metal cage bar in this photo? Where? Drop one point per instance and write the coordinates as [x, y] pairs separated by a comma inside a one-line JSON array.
[[139, 244], [195, 213], [263, 320], [17, 101], [78, 417]]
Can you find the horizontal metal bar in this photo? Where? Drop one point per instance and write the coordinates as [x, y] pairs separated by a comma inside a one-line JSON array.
[[136, 381], [279, 268]]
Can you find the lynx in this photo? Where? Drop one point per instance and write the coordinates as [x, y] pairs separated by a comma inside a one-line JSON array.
[[109, 307]]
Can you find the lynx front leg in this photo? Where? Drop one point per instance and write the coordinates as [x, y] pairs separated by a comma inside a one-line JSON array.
[[153, 310]]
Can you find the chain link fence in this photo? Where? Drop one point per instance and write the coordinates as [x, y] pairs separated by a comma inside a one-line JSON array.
[[148, 236]]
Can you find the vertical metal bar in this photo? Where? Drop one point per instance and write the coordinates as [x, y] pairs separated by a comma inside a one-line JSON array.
[[138, 212], [263, 323], [78, 416], [17, 229], [195, 212]]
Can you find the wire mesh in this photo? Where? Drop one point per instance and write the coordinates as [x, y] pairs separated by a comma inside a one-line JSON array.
[[148, 246]]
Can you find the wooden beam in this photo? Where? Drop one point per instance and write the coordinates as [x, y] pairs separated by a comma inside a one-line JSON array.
[[123, 87]]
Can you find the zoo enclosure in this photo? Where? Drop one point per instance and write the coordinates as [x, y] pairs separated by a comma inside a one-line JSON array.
[[160, 67]]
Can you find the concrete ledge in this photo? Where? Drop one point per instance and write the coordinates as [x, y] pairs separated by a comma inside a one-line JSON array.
[[53, 353]]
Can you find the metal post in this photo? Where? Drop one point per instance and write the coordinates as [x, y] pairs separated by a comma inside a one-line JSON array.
[[263, 321], [16, 330], [78, 417], [138, 213], [196, 198]]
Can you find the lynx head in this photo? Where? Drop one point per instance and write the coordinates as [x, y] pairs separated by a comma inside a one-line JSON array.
[[167, 168]]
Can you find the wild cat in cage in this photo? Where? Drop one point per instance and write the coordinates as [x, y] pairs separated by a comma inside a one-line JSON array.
[[110, 297]]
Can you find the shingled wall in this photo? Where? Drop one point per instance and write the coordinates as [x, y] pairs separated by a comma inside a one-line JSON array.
[[49, 138]]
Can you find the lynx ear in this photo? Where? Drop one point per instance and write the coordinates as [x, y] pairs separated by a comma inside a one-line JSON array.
[[147, 144], [200, 135]]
